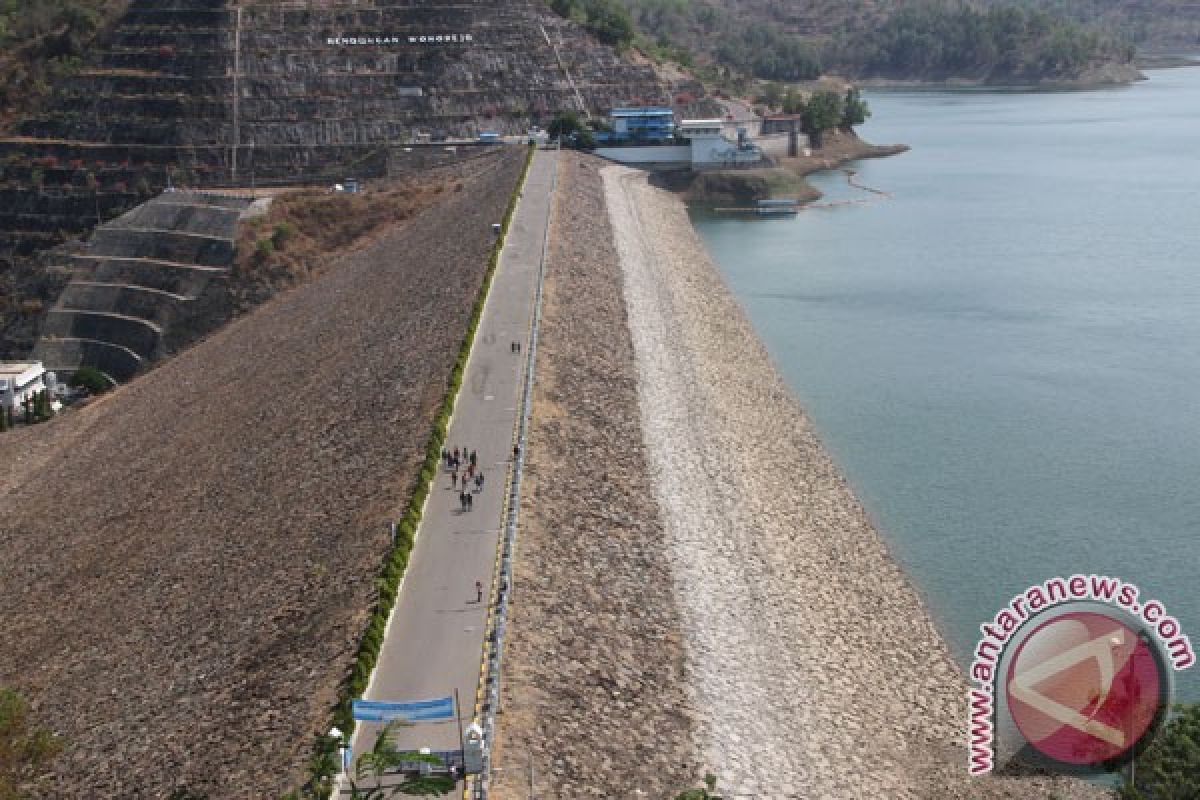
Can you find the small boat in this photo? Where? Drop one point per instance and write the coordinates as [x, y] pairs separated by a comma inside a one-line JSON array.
[[776, 208]]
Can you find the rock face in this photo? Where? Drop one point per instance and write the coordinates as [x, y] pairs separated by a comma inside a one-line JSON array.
[[137, 277]]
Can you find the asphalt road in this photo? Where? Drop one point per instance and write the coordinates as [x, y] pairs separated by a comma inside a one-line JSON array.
[[434, 640]]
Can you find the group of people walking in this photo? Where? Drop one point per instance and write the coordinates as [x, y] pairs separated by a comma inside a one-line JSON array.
[[468, 481]]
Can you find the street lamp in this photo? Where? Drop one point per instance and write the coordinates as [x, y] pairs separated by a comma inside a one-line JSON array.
[[336, 734]]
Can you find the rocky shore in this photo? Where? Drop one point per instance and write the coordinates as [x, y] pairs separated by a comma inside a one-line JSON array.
[[697, 587]]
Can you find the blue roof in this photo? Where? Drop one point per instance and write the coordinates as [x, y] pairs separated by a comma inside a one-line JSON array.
[[648, 111]]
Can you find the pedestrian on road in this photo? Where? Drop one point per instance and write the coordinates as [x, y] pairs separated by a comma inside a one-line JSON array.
[[462, 501], [479, 482], [453, 480], [474, 459], [478, 591], [445, 457], [470, 501], [516, 451], [470, 471], [456, 454]]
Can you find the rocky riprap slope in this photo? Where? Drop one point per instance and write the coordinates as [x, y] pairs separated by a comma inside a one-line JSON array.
[[188, 562], [137, 280]]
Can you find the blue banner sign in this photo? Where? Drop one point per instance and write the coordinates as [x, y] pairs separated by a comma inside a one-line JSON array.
[[439, 708]]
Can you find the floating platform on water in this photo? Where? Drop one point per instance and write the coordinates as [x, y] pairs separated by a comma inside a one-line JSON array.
[[766, 208]]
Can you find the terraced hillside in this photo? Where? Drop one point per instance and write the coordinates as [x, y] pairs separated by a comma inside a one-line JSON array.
[[200, 93], [137, 281], [206, 94]]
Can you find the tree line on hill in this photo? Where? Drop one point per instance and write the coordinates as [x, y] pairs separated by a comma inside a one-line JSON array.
[[938, 40], [42, 42], [929, 40]]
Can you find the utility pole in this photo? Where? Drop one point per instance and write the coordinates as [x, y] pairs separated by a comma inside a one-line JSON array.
[[237, 92]]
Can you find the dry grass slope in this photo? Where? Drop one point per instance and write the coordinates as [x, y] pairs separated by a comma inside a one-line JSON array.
[[186, 565]]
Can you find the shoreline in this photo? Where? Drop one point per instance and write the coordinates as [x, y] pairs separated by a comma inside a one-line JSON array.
[[786, 178]]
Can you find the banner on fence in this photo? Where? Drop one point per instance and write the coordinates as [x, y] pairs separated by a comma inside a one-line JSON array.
[[439, 708]]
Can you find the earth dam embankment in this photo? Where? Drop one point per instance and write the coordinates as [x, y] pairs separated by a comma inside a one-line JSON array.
[[697, 587]]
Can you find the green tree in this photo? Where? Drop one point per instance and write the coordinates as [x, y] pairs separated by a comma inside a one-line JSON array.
[[564, 125], [706, 793], [25, 750], [772, 95], [1169, 769], [282, 234], [854, 110], [384, 756], [821, 113], [91, 379]]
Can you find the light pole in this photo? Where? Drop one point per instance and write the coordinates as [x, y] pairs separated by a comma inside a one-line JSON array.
[[336, 734]]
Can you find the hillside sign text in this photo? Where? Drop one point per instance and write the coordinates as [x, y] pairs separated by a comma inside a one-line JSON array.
[[439, 38]]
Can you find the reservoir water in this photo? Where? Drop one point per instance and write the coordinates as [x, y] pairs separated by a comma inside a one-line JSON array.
[[1004, 356]]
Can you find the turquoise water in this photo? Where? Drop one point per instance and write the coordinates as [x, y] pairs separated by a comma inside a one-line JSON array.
[[1004, 357]]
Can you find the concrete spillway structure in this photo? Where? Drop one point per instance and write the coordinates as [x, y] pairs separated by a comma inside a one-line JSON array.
[[138, 276]]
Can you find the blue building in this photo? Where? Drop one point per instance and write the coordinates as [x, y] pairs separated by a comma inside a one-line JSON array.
[[645, 124]]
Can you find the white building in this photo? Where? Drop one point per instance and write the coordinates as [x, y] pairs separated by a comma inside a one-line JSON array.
[[19, 381], [705, 148], [711, 149]]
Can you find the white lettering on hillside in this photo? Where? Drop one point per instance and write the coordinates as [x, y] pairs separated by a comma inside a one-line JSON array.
[[373, 40]]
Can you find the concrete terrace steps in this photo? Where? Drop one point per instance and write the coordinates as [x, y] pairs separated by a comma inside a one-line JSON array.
[[178, 246], [129, 287], [187, 280], [137, 281], [66, 354]]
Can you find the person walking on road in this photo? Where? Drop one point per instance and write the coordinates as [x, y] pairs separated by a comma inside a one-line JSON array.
[[470, 501], [478, 591], [479, 482], [454, 480], [474, 460], [462, 501]]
